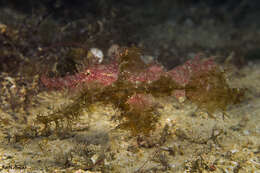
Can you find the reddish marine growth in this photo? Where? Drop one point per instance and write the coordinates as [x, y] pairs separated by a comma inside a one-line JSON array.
[[129, 66], [103, 74]]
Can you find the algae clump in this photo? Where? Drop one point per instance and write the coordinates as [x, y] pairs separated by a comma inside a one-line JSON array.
[[209, 90]]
